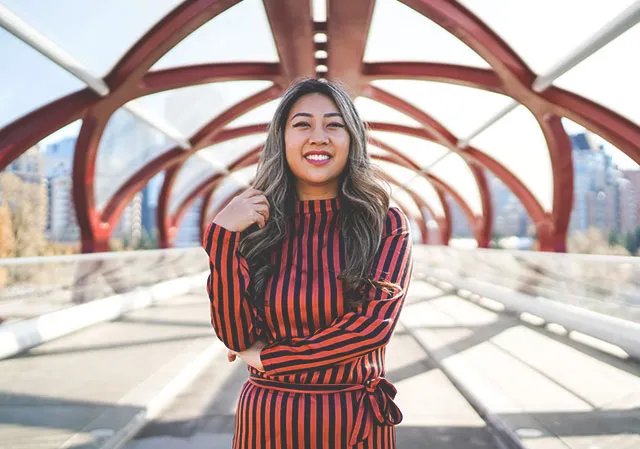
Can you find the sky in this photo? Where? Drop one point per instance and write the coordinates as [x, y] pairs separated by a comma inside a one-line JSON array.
[[80, 27]]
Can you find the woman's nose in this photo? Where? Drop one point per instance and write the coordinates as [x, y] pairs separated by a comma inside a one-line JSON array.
[[319, 136]]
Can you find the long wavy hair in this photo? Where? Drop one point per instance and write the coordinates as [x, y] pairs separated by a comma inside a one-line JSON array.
[[364, 197]]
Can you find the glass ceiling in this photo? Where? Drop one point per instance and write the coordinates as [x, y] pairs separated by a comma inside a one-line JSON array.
[[442, 90], [411, 28], [209, 161]]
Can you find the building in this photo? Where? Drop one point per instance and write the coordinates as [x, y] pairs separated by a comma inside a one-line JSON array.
[[510, 218], [58, 157], [30, 169], [596, 187], [62, 224], [630, 200], [129, 228], [460, 227], [150, 195], [189, 231]]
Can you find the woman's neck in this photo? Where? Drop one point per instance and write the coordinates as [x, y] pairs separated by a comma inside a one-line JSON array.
[[325, 192]]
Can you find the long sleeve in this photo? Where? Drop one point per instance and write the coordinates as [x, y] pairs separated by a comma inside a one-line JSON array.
[[233, 318], [364, 329]]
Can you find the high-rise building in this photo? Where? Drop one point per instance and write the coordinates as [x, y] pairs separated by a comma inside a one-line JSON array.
[[630, 200], [29, 168], [150, 195], [62, 224], [129, 228], [189, 231], [58, 157], [459, 222], [510, 218], [596, 187]]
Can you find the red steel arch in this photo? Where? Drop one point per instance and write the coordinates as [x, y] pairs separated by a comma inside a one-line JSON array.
[[477, 158], [347, 28]]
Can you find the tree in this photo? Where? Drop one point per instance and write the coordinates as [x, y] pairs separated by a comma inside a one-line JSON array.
[[26, 204], [593, 242], [632, 241], [146, 241], [614, 238], [7, 240]]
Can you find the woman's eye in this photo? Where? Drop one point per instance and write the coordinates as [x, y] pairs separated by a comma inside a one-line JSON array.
[[336, 124], [300, 124]]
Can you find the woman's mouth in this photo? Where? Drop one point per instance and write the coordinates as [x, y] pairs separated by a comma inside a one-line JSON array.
[[317, 159]]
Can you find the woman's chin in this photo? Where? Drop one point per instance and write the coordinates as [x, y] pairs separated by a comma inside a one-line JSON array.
[[318, 180]]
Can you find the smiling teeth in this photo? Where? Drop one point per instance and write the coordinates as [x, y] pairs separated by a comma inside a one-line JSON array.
[[318, 157]]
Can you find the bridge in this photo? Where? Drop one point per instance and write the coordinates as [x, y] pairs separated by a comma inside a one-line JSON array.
[[106, 109]]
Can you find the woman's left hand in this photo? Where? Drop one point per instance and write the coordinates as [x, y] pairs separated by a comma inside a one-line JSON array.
[[250, 356]]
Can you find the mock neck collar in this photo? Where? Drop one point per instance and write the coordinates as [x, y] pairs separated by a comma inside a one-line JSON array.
[[308, 207]]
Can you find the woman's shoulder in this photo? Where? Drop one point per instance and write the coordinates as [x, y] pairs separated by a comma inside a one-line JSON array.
[[396, 222]]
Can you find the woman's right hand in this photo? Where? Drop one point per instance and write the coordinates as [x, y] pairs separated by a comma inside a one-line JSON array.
[[250, 207]]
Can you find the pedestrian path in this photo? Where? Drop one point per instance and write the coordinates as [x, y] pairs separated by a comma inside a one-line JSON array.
[[436, 415], [466, 374], [94, 386]]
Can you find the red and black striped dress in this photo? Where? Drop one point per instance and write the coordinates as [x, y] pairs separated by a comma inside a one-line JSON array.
[[323, 384]]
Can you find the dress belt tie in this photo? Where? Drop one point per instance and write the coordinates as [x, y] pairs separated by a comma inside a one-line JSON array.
[[376, 402]]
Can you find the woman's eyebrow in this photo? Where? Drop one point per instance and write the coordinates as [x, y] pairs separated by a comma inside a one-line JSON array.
[[306, 114]]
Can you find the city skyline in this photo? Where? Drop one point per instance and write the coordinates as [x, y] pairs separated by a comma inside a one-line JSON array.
[[603, 198]]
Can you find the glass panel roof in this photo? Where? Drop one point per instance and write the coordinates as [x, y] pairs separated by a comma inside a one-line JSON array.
[[189, 230], [30, 80], [414, 182], [413, 38], [226, 39], [400, 174], [374, 111], [405, 202], [190, 108], [209, 161], [236, 180], [543, 34], [567, 24], [610, 76], [517, 142], [80, 27], [426, 190], [454, 171], [127, 145], [460, 109], [58, 150], [261, 114], [422, 152], [69, 132]]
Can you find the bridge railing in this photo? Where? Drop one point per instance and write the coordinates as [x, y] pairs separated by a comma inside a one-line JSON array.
[[30, 287], [596, 295]]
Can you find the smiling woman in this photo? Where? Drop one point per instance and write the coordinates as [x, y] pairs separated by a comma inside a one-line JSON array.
[[309, 271]]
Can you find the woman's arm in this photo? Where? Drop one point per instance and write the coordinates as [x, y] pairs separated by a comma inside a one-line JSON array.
[[366, 328], [233, 318]]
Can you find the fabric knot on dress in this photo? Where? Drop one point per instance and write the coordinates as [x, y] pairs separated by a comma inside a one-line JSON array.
[[376, 403]]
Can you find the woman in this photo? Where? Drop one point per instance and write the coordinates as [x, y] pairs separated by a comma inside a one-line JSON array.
[[309, 270]]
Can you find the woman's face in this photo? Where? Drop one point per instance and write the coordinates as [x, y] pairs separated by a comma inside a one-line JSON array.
[[316, 145]]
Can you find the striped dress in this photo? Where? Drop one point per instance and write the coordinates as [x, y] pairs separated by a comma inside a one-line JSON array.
[[323, 386]]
